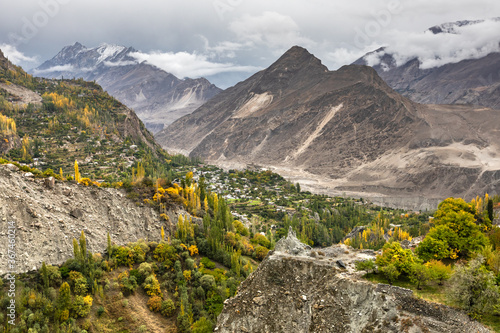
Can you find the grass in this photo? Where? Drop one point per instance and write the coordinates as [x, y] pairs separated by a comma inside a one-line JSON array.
[[432, 292]]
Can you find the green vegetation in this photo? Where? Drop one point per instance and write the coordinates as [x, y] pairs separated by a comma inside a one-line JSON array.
[[457, 263]]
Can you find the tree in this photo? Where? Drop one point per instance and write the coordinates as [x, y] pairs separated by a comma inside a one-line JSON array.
[[203, 325], [490, 210], [152, 286], [154, 303], [207, 282], [167, 307], [81, 305], [472, 288], [261, 252], [419, 274], [456, 233], [390, 272], [45, 277], [64, 296], [439, 271], [110, 249], [77, 173], [402, 259]]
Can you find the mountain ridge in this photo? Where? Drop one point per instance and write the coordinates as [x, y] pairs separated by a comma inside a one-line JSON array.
[[157, 97], [469, 81], [344, 130]]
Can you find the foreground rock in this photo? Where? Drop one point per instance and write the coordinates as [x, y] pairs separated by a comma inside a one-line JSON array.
[[299, 293], [47, 219]]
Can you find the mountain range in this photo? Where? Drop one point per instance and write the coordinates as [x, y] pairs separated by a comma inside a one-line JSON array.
[[157, 97], [470, 81], [343, 130]]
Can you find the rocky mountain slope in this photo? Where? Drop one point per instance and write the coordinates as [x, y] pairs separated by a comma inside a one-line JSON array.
[[48, 216], [471, 81], [158, 97], [343, 130], [64, 120], [295, 289]]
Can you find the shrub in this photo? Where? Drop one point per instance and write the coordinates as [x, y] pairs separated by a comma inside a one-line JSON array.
[[100, 311], [154, 303], [167, 307], [207, 263], [472, 288], [365, 265]]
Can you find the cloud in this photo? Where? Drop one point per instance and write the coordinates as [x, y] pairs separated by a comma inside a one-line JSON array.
[[62, 68], [269, 29], [119, 63], [14, 55], [184, 64], [434, 50]]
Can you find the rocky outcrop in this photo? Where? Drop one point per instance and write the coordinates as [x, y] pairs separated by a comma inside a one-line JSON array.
[[290, 244], [47, 215], [296, 293]]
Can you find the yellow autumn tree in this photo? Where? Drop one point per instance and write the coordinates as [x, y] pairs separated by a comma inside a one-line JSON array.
[[77, 173]]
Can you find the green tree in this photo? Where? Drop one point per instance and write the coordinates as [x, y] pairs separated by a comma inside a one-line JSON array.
[[455, 234], [420, 274], [64, 298], [203, 325], [439, 271], [45, 277], [402, 259], [110, 249], [390, 272], [490, 210], [473, 288], [167, 307]]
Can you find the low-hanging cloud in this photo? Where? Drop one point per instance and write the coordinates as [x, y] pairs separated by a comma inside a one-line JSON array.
[[184, 64], [62, 68], [433, 50], [16, 56]]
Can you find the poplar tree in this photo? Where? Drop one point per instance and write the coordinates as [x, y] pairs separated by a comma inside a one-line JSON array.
[[77, 173]]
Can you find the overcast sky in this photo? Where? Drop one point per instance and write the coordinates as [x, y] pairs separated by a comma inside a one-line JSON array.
[[228, 40]]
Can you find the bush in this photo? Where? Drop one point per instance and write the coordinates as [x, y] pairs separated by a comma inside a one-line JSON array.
[[261, 252], [167, 308], [100, 311], [207, 263], [154, 303], [207, 282], [473, 288], [203, 325], [365, 265]]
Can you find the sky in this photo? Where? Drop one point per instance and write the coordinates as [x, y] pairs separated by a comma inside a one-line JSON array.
[[227, 41]]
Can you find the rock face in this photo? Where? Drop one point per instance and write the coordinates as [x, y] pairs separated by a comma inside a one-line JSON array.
[[157, 97], [47, 219], [289, 293], [344, 131], [290, 244], [473, 81]]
